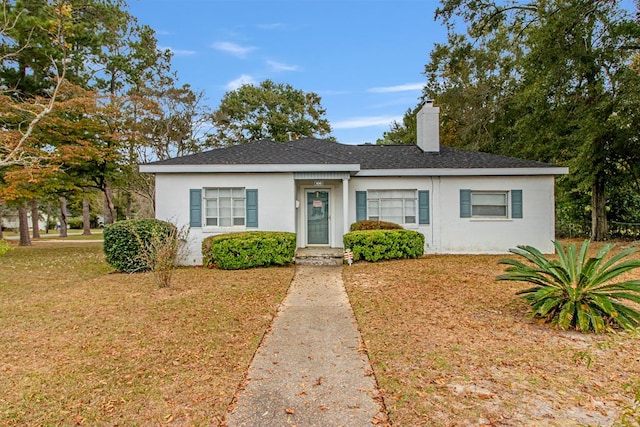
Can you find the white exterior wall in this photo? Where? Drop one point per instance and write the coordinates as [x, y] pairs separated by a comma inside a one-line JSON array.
[[448, 233], [495, 235], [276, 203], [394, 183]]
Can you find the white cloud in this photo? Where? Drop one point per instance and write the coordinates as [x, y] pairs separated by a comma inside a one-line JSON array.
[[178, 52], [244, 79], [398, 88], [279, 66], [233, 48], [365, 122]]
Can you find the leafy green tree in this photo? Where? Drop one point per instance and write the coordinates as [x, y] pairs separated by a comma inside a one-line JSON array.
[[271, 110], [547, 80], [401, 133], [34, 56]]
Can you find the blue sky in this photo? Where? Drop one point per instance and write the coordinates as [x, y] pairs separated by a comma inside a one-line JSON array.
[[364, 58]]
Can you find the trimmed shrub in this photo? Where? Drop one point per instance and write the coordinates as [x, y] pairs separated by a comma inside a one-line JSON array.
[[376, 245], [374, 225], [235, 251], [75, 223], [123, 242]]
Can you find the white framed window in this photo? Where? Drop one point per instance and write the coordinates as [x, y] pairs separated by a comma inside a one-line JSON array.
[[490, 204], [224, 207], [397, 206]]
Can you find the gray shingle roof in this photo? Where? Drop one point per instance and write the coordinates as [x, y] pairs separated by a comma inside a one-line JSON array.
[[320, 151]]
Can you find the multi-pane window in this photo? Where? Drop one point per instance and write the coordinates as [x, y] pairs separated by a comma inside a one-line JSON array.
[[398, 206], [489, 203], [224, 207]]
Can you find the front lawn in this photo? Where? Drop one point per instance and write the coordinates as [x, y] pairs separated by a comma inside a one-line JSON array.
[[82, 345], [452, 347]]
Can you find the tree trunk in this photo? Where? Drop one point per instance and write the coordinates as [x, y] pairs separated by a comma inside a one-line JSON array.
[[599, 228], [23, 220], [109, 208], [86, 217], [63, 217], [46, 227], [1, 216], [35, 219], [129, 208]]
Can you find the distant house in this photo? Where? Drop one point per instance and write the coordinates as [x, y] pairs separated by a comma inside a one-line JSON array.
[[462, 201]]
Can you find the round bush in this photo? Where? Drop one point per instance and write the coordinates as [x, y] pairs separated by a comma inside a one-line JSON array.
[[374, 225], [123, 242]]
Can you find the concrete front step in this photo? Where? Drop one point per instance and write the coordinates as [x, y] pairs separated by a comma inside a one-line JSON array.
[[319, 256]]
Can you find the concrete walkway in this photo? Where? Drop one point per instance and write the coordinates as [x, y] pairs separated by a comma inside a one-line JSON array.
[[309, 370]]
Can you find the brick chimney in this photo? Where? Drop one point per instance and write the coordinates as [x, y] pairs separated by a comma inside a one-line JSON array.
[[428, 120]]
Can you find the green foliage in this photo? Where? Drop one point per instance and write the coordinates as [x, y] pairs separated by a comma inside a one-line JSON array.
[[576, 291], [235, 251], [271, 110], [376, 245], [75, 223], [367, 224], [126, 242], [404, 133], [510, 85], [4, 247]]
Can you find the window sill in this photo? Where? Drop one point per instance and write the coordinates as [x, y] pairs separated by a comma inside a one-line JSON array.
[[237, 228], [490, 219]]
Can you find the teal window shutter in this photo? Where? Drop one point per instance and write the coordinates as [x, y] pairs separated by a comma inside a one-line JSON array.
[[252, 208], [465, 203], [361, 205], [516, 203], [195, 207], [423, 207]]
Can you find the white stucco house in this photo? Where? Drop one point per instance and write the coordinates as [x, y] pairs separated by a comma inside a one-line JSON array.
[[462, 201]]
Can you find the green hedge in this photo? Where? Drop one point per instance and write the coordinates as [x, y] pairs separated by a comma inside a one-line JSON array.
[[368, 224], [75, 223], [376, 245], [235, 251], [122, 242]]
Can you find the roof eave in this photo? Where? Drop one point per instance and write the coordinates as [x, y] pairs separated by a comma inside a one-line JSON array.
[[552, 170], [249, 168]]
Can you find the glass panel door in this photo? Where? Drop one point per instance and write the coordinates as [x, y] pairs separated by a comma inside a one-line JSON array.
[[318, 217]]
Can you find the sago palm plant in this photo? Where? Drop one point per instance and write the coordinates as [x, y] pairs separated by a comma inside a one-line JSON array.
[[577, 291]]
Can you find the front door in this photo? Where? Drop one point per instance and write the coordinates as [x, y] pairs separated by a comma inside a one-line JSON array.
[[317, 217]]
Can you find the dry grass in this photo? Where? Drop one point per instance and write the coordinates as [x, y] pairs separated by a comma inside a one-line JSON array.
[[449, 344], [81, 345], [452, 347]]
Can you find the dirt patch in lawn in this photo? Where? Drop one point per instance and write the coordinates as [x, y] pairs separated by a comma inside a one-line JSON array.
[[452, 347], [82, 345]]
